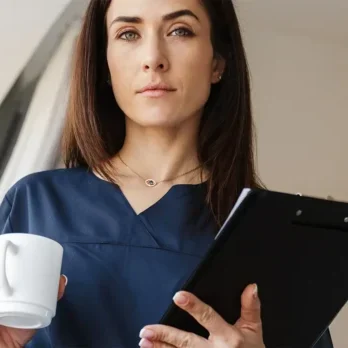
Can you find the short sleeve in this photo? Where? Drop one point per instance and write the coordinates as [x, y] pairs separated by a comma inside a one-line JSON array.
[[5, 216]]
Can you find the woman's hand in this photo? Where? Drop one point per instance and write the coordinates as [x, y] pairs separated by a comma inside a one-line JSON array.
[[246, 333], [16, 338]]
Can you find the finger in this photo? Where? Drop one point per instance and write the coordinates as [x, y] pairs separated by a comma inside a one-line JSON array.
[[144, 343], [161, 345], [251, 306], [204, 314], [172, 336], [63, 282]]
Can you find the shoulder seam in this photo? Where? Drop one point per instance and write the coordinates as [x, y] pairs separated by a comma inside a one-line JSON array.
[[9, 216], [8, 200]]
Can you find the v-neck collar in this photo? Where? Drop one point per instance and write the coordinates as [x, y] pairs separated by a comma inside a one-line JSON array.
[[174, 191]]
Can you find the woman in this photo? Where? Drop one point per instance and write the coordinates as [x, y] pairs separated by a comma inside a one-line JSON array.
[[158, 145]]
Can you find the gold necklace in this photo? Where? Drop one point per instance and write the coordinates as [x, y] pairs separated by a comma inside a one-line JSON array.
[[152, 182]]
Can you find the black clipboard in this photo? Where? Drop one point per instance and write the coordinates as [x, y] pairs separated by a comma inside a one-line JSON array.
[[295, 248]]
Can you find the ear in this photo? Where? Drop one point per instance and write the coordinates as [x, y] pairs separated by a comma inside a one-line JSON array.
[[218, 68]]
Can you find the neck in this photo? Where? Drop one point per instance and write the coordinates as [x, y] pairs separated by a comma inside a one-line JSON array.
[[159, 153]]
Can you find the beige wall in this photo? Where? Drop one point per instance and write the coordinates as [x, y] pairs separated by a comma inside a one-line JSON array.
[[300, 93]]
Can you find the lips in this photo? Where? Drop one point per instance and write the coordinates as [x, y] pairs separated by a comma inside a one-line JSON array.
[[158, 87]]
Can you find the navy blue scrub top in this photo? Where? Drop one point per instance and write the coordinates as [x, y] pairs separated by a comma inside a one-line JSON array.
[[123, 268]]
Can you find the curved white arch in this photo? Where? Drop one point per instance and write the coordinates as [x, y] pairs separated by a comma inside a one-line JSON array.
[[38, 142]]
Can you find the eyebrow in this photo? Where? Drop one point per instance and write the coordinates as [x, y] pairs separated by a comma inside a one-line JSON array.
[[167, 17]]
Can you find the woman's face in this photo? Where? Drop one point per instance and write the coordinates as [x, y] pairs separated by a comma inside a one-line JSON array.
[[164, 44]]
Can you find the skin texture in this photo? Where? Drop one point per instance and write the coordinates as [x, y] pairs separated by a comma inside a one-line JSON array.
[[177, 52], [246, 333], [161, 133]]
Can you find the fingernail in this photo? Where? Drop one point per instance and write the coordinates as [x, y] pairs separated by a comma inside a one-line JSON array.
[[144, 343], [255, 291], [180, 299], [66, 279], [146, 333]]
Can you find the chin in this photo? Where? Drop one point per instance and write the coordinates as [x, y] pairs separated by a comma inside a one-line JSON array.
[[168, 116], [158, 117], [163, 121]]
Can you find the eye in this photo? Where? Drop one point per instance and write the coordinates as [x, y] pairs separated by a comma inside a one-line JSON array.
[[182, 32], [128, 36]]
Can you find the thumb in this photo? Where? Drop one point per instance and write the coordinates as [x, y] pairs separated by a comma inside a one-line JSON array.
[[63, 281], [251, 306]]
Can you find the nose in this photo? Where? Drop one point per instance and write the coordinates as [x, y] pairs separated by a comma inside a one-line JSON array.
[[154, 58]]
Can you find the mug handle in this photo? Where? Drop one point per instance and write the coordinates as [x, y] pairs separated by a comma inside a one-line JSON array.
[[4, 284]]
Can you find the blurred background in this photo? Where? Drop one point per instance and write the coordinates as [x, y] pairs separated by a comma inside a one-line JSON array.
[[298, 56]]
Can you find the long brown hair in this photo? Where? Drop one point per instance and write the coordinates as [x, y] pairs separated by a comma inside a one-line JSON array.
[[95, 125]]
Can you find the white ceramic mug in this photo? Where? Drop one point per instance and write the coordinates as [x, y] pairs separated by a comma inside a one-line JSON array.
[[30, 267]]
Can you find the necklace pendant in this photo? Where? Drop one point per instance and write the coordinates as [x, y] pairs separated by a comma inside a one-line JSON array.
[[150, 183]]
